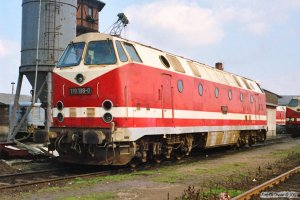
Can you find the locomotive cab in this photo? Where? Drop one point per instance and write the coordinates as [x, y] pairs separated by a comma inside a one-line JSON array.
[[86, 94]]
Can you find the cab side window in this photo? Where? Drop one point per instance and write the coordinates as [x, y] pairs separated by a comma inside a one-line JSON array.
[[121, 52], [132, 52]]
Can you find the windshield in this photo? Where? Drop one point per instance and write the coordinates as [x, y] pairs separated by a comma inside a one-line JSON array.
[[293, 103], [72, 55], [100, 53]]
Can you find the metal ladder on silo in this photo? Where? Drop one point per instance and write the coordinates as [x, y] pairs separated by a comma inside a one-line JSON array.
[[51, 30]]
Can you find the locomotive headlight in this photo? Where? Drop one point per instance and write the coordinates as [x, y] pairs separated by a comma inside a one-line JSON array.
[[107, 104], [60, 117], [79, 78], [107, 117], [60, 105]]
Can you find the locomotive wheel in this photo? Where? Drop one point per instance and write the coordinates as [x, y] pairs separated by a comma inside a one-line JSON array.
[[157, 159], [241, 143], [250, 142], [178, 155], [134, 162], [238, 144]]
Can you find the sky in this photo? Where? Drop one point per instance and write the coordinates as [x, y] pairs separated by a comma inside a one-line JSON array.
[[257, 39]]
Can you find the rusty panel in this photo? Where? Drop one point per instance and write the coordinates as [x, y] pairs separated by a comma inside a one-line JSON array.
[[221, 138], [233, 136]]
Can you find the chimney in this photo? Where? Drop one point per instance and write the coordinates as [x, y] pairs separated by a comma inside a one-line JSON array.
[[219, 66]]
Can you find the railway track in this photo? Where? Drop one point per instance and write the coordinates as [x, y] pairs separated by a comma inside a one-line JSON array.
[[51, 176], [286, 185], [20, 180], [198, 154]]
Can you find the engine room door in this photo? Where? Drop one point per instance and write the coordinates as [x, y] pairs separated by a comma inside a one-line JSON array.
[[257, 108], [167, 101]]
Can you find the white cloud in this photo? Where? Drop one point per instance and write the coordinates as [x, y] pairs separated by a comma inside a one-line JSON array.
[[256, 16], [186, 23], [9, 64], [257, 28], [177, 23], [2, 49], [284, 83], [8, 48]]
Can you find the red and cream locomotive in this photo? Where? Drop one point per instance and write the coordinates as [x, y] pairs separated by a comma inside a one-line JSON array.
[[293, 117], [116, 102], [280, 119]]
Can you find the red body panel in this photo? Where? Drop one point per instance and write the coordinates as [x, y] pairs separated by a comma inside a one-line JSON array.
[[137, 85], [280, 117], [292, 116]]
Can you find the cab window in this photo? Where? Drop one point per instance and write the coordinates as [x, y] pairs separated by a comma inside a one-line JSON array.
[[121, 52], [100, 53], [72, 55], [132, 52]]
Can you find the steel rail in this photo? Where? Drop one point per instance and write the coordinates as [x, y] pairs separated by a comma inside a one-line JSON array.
[[3, 176], [56, 179], [74, 176], [256, 190]]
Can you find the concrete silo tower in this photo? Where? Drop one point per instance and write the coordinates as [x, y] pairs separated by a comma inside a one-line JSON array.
[[47, 27]]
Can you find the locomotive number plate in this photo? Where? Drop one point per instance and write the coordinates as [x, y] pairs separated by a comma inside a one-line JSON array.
[[80, 91]]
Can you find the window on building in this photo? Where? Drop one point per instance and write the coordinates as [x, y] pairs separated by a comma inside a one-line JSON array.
[[90, 11], [121, 52], [132, 53]]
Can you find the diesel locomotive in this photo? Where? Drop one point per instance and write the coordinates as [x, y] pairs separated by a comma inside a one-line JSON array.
[[293, 117], [118, 102]]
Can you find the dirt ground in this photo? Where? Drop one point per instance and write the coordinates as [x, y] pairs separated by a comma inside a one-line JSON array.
[[6, 169], [168, 182]]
